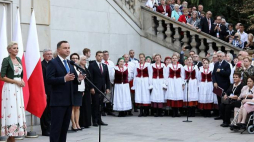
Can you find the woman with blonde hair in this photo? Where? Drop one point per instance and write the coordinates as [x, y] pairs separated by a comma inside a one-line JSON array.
[[13, 115], [176, 13], [237, 41]]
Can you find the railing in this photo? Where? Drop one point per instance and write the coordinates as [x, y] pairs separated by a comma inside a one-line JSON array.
[[173, 34], [170, 33]]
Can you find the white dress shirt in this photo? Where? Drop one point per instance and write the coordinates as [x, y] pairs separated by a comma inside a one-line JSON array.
[[244, 36], [62, 60]]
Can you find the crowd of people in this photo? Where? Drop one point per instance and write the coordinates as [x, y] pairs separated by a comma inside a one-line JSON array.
[[151, 85], [203, 21]]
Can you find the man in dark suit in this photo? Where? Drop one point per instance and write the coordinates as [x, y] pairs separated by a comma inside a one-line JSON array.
[[219, 30], [45, 118], [205, 24], [62, 76], [196, 61], [220, 76], [100, 78]]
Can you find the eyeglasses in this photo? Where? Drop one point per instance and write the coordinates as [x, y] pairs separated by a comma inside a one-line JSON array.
[[74, 58]]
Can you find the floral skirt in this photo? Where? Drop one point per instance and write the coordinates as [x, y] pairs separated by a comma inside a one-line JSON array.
[[13, 115]]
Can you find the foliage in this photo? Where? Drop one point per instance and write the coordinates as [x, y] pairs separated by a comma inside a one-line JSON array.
[[233, 10]]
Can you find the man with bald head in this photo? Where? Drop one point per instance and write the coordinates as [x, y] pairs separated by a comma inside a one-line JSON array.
[[131, 66], [206, 23], [220, 76]]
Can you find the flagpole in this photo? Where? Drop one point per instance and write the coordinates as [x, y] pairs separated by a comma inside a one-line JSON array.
[[32, 134]]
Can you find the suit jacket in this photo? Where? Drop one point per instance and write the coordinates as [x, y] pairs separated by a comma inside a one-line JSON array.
[[222, 77], [101, 81], [222, 33], [160, 9], [198, 64], [44, 65], [237, 90], [135, 59], [8, 69], [203, 25], [61, 91]]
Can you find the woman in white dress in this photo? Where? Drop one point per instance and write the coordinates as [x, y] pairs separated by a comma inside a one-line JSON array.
[[122, 97], [157, 70], [190, 73], [175, 85], [148, 60], [206, 99], [13, 115], [167, 61], [142, 86]]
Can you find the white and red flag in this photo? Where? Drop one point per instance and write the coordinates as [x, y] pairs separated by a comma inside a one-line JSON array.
[[17, 37], [37, 98], [3, 48]]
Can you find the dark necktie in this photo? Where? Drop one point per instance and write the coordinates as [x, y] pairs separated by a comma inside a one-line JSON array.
[[101, 68]]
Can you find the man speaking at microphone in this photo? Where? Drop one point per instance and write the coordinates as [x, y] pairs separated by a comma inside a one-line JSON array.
[[62, 76], [100, 78]]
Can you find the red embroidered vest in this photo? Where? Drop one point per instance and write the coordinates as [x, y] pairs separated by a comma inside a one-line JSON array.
[[142, 73], [192, 74], [121, 77], [157, 73], [206, 77], [174, 73]]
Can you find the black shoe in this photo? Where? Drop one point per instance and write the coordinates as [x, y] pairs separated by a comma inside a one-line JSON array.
[[130, 113], [82, 128], [46, 134], [111, 113], [95, 124], [75, 130], [103, 113], [218, 118], [103, 124], [224, 125]]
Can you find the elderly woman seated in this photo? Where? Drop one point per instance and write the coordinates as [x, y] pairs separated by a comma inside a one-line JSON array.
[[247, 102], [236, 41]]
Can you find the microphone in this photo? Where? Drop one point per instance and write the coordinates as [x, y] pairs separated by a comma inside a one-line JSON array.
[[76, 65]]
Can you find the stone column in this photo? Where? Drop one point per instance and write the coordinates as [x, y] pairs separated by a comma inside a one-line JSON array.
[[160, 29], [193, 42], [177, 42], [168, 33], [185, 38], [210, 44], [202, 48]]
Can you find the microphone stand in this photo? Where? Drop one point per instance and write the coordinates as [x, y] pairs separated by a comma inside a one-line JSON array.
[[187, 83], [101, 93]]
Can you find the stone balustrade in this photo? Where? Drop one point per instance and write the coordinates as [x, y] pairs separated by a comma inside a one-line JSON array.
[[173, 34], [170, 33]]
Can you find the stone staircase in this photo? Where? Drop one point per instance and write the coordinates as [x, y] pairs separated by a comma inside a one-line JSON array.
[[170, 33]]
